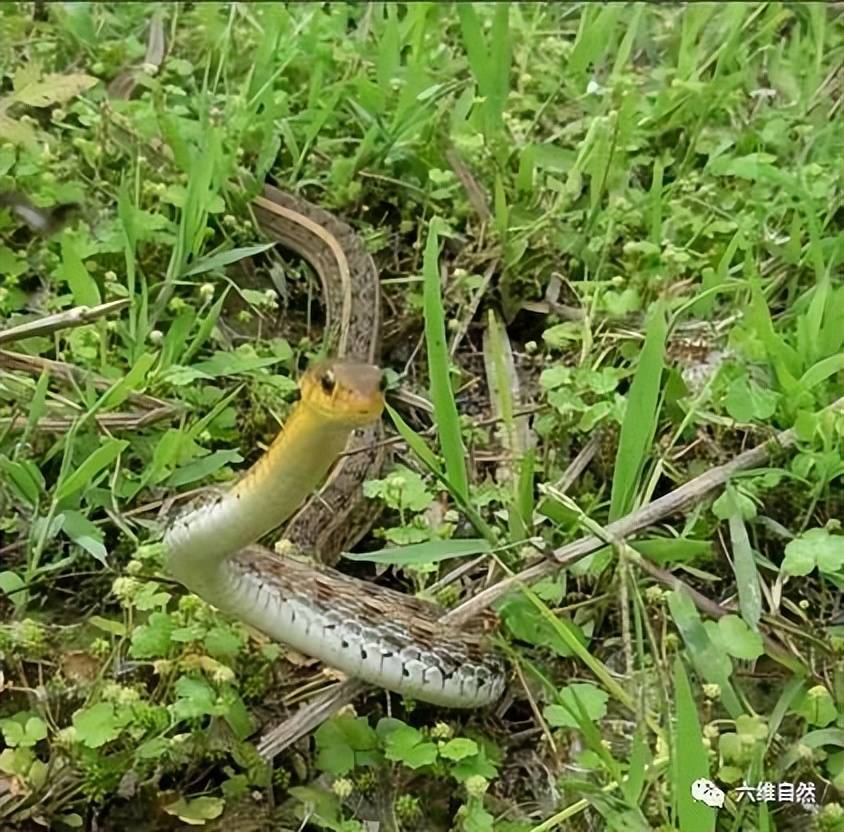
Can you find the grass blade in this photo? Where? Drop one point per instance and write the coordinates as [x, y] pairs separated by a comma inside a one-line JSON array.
[[84, 475], [709, 662], [225, 258], [442, 397], [503, 384], [415, 442], [744, 567], [568, 636], [418, 446], [428, 552], [640, 419], [691, 760]]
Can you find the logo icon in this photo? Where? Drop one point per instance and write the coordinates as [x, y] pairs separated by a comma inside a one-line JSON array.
[[705, 791]]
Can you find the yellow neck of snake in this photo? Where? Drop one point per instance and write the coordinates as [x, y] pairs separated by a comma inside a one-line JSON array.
[[336, 398]]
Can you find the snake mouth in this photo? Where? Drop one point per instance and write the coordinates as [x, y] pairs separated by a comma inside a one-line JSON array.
[[345, 392]]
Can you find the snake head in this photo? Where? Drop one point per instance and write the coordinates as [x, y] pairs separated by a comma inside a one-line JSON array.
[[349, 392]]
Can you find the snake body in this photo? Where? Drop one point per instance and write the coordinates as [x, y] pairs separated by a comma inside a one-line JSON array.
[[367, 631], [331, 520]]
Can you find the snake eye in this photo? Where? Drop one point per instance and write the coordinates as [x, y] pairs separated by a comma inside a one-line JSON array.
[[328, 381]]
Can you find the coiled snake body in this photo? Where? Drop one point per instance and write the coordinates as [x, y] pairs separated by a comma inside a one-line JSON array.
[[365, 630]]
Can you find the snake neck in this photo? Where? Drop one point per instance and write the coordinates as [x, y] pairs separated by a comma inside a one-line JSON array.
[[199, 542]]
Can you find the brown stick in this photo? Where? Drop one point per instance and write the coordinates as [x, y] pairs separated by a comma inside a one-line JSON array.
[[106, 421], [682, 497], [68, 373], [69, 319]]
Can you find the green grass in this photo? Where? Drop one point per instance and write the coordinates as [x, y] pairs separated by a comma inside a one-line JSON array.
[[646, 198]]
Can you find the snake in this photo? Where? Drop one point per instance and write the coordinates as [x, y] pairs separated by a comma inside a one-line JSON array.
[[311, 476]]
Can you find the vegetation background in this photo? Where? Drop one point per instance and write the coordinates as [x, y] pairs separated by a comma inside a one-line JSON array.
[[638, 213]]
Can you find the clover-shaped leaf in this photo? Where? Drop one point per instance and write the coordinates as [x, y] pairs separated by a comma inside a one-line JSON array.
[[815, 547], [97, 725], [574, 699], [407, 745]]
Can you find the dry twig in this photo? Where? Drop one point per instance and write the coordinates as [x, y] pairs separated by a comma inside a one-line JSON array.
[[69, 319]]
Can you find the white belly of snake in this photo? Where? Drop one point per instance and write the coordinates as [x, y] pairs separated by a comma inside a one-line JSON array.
[[365, 630]]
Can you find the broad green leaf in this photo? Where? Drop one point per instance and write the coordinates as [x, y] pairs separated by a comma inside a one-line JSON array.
[[85, 534], [640, 417], [815, 547], [73, 270], [446, 417], [17, 132], [710, 663], [476, 764], [234, 363], [12, 732], [152, 640], [690, 759], [191, 632], [817, 707], [11, 583], [528, 624], [739, 639], [818, 739], [132, 382], [196, 698], [54, 89], [821, 371], [571, 698], [746, 401], [222, 642], [458, 748], [17, 761], [196, 811], [733, 499], [407, 745], [85, 474], [23, 730], [744, 566], [12, 264], [150, 596], [202, 468], [561, 336], [34, 730], [336, 759], [152, 749], [402, 489], [571, 636], [237, 715], [97, 725], [753, 166], [225, 258], [179, 376], [24, 478], [343, 743], [429, 552], [322, 806], [108, 625]]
